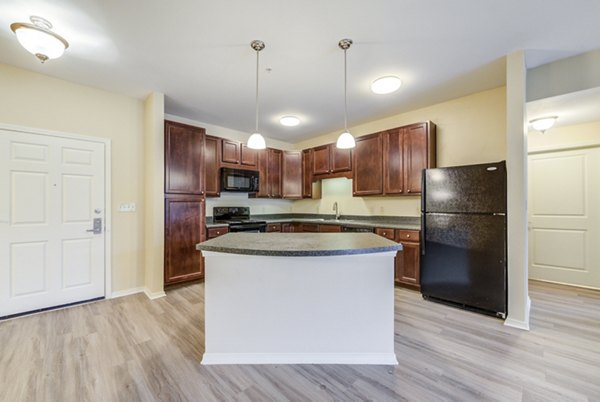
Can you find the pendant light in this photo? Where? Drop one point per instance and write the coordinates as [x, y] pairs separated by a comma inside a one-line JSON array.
[[256, 140], [345, 140], [38, 39]]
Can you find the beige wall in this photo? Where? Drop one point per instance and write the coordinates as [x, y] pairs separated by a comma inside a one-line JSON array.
[[471, 129], [584, 134], [37, 101]]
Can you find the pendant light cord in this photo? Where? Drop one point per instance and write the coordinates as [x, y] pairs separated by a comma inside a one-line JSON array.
[[345, 94], [256, 120]]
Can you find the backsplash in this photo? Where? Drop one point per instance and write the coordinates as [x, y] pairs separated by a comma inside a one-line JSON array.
[[257, 205]]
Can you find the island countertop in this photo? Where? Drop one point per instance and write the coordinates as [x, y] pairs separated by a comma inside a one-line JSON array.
[[299, 244]]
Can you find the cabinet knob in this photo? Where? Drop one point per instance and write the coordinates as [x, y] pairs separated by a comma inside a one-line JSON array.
[[408, 191], [384, 233], [218, 232], [407, 236]]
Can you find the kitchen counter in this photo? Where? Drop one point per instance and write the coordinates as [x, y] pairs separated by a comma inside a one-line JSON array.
[[299, 244], [392, 222], [299, 298]]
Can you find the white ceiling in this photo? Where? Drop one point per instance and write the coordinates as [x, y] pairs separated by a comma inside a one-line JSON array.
[[197, 52]]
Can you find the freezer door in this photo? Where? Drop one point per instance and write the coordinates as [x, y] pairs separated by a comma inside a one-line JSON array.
[[465, 260], [466, 189]]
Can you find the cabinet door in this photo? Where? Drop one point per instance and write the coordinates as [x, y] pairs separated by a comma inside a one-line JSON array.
[[307, 175], [184, 228], [341, 159], [274, 227], [408, 264], [393, 151], [292, 174], [274, 173], [184, 146], [263, 173], [230, 152], [368, 166], [212, 177], [249, 156], [321, 158], [310, 227], [415, 153]]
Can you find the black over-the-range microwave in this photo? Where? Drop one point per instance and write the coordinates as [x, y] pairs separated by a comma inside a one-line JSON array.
[[242, 181]]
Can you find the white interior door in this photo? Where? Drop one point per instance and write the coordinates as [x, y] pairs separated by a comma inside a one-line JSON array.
[[52, 190], [564, 217]]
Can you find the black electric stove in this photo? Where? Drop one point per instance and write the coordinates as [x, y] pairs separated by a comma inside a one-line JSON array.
[[238, 219]]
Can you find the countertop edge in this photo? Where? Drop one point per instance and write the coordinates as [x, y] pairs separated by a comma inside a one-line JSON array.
[[300, 253]]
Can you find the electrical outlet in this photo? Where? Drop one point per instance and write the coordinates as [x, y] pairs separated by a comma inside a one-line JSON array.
[[130, 207]]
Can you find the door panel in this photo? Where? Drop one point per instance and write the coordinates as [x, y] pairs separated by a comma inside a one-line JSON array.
[[564, 217], [55, 188]]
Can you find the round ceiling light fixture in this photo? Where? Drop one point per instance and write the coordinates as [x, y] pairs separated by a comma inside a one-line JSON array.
[[289, 121], [543, 123], [38, 39], [386, 85]]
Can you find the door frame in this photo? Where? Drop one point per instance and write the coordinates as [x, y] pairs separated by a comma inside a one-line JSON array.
[[107, 190]]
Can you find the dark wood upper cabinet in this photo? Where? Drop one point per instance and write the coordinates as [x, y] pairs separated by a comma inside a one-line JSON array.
[[184, 165], [321, 160], [249, 156], [307, 174], [393, 154], [184, 228], [212, 156], [274, 173], [292, 174], [263, 173], [341, 159], [230, 151], [329, 161], [402, 153], [368, 171], [417, 150]]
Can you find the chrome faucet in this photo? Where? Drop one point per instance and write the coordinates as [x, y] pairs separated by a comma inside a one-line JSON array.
[[337, 212]]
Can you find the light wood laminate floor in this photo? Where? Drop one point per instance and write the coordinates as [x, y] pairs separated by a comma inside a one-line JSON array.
[[134, 349]]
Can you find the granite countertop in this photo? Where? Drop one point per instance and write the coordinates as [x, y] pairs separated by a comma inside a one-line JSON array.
[[393, 222], [299, 244]]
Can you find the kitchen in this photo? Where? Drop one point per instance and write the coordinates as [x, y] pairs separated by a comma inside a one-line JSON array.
[[136, 129]]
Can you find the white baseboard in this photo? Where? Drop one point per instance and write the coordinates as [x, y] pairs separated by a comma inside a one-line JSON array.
[[524, 324], [125, 292], [388, 359], [155, 295]]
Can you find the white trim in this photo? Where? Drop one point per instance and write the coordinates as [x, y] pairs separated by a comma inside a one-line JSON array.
[[388, 359], [572, 285], [524, 325], [155, 295], [563, 147], [107, 190], [126, 292]]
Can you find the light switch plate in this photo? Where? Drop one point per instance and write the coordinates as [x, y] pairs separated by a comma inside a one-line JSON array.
[[129, 207]]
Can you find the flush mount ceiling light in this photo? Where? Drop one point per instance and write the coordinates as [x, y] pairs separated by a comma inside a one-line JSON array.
[[543, 123], [38, 39], [256, 140], [289, 121], [386, 85], [345, 140]]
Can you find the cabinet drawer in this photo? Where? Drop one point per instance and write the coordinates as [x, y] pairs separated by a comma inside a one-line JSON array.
[[386, 232], [274, 227], [310, 227], [216, 232], [408, 235], [330, 228]]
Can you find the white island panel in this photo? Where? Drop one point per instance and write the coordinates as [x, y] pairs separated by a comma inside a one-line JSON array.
[[293, 310]]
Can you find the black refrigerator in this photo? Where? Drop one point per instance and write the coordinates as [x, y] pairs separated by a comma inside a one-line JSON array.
[[463, 261]]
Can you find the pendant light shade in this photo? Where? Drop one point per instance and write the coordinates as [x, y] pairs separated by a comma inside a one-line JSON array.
[[345, 140], [38, 39], [256, 140]]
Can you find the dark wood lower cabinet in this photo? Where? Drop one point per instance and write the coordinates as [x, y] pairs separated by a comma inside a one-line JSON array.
[[184, 228], [408, 261]]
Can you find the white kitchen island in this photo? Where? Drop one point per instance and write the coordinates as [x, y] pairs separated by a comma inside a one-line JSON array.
[[299, 298]]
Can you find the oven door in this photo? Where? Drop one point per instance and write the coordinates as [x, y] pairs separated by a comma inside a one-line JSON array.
[[252, 227]]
